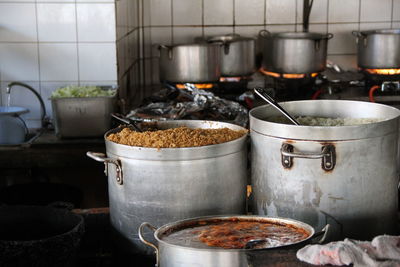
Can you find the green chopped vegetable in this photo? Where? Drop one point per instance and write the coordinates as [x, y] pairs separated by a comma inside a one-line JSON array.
[[81, 91]]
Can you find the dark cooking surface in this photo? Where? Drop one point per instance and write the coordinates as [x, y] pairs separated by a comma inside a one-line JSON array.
[[97, 249]]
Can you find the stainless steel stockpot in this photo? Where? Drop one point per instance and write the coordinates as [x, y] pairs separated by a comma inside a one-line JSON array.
[[169, 184], [294, 52], [378, 49], [346, 176], [172, 255], [237, 54], [195, 63]]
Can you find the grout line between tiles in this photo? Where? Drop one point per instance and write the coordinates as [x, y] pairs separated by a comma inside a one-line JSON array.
[[77, 43], [38, 48], [391, 15]]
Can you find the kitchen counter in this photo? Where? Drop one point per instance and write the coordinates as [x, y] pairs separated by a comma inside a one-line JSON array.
[[49, 151]]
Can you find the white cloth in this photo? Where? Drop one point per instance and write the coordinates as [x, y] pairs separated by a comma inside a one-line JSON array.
[[382, 251]]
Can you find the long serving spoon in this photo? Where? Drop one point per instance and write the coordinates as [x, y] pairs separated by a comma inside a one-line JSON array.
[[127, 121], [263, 94]]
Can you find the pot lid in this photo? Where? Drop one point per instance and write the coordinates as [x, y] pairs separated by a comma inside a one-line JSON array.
[[229, 38], [297, 35], [381, 31], [12, 110]]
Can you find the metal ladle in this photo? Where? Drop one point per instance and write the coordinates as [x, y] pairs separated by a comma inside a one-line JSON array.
[[261, 92], [127, 121]]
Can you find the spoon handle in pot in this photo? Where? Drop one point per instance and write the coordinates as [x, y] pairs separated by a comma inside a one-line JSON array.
[[261, 92]]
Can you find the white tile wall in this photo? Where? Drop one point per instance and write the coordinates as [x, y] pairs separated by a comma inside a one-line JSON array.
[[344, 10], [56, 22], [18, 22], [58, 62], [53, 43], [19, 61], [281, 12], [96, 22], [218, 12], [396, 10], [97, 62], [187, 12], [343, 42], [249, 12], [373, 10]]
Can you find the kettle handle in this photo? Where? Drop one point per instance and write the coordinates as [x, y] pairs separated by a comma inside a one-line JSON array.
[[140, 232], [24, 123]]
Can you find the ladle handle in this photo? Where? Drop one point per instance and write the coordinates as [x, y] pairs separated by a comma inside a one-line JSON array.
[[261, 92], [126, 121]]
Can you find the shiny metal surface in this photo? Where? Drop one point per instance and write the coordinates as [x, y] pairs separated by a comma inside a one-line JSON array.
[[294, 52], [82, 116], [170, 184], [358, 197], [170, 255], [378, 49], [237, 55], [190, 63], [263, 94]]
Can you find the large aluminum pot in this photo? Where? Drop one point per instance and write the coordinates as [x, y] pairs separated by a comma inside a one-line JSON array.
[[378, 49], [346, 176], [169, 184], [173, 255], [190, 63], [294, 52], [237, 54]]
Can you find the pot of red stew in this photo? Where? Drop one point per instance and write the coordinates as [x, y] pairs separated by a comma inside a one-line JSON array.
[[226, 240]]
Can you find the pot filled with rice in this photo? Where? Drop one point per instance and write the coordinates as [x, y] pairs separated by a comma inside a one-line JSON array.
[[171, 171]]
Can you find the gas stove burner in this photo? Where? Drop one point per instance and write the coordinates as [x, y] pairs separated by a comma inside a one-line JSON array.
[[233, 79], [195, 85], [383, 72], [289, 75]]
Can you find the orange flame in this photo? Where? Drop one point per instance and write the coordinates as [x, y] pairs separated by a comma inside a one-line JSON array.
[[383, 71], [287, 75], [198, 86]]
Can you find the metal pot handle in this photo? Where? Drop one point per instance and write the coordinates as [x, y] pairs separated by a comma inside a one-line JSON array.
[[101, 157], [323, 232], [264, 33], [140, 232], [169, 48], [357, 33], [327, 155], [329, 36]]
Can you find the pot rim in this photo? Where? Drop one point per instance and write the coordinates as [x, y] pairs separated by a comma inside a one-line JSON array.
[[180, 153], [75, 228], [294, 222], [325, 133], [299, 35], [189, 45], [382, 32], [12, 110]]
